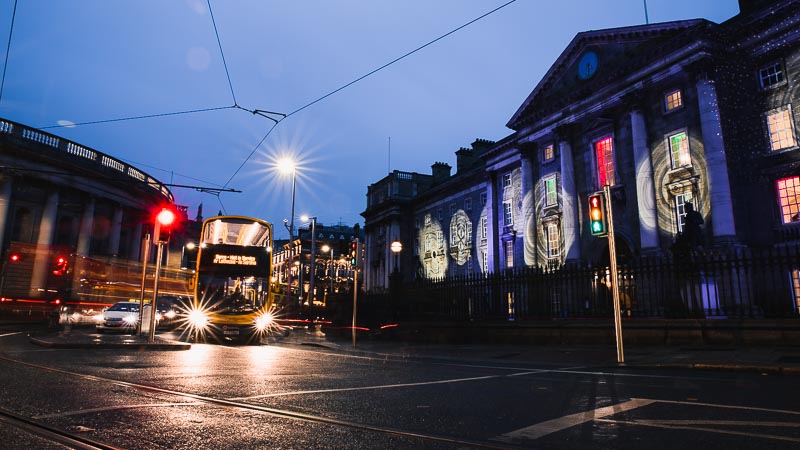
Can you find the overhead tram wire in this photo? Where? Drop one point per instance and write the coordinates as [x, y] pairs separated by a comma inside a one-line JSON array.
[[8, 49], [222, 54], [359, 79], [147, 116]]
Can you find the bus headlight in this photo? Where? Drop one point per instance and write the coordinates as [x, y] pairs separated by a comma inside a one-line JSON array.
[[198, 319], [264, 321]]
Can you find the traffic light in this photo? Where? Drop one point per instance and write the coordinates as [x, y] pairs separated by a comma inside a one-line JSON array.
[[163, 225], [60, 266], [353, 252], [597, 214]]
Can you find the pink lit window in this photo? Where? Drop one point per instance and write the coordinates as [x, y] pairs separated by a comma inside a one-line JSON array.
[[604, 152], [789, 198]]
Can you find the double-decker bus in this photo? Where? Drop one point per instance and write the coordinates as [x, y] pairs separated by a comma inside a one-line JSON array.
[[233, 294]]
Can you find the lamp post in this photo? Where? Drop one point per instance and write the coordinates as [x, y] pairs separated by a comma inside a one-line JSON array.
[[287, 165], [325, 248], [394, 279], [313, 257]]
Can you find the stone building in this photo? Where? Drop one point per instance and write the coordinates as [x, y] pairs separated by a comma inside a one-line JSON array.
[[673, 117]]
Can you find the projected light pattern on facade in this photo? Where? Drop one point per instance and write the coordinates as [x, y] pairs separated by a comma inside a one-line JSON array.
[[433, 254], [460, 237]]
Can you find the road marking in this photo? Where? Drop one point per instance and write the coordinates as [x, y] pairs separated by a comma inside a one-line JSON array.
[[668, 425], [11, 334], [551, 426], [716, 405], [383, 386]]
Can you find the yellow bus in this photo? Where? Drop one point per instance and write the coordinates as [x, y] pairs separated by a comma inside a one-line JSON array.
[[233, 295]]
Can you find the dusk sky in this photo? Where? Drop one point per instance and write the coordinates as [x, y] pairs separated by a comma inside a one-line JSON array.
[[80, 61]]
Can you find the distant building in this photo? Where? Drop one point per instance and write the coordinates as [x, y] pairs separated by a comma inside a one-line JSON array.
[[669, 115]]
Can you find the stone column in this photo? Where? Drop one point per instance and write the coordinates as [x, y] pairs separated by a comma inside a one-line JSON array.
[[528, 206], [47, 228], [492, 235], [135, 246], [645, 187], [5, 201], [85, 234], [116, 230], [569, 197], [719, 188]]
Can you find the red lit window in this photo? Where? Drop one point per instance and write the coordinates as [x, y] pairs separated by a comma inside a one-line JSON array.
[[604, 152], [789, 198]]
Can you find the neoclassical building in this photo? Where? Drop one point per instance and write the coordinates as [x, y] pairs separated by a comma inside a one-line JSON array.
[[671, 116], [60, 199]]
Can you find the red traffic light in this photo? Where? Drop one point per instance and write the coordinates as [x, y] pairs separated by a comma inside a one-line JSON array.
[[60, 266], [14, 258], [165, 217]]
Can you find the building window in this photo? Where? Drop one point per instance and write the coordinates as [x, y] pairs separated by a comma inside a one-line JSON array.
[[789, 199], [680, 208], [483, 198], [553, 238], [771, 75], [485, 262], [467, 204], [452, 209], [550, 195], [673, 100], [508, 218], [781, 132], [548, 153], [679, 150], [509, 254], [506, 180], [796, 289], [604, 154], [483, 228]]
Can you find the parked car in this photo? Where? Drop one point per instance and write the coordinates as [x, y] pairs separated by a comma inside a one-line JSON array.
[[121, 316]]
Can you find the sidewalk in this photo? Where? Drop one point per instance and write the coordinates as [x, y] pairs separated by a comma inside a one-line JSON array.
[[758, 359]]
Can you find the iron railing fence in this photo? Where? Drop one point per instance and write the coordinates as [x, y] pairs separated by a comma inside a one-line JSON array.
[[728, 283]]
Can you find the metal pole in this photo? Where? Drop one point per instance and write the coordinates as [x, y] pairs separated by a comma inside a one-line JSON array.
[[612, 253], [291, 243], [145, 257], [331, 273], [355, 300], [159, 255], [313, 262]]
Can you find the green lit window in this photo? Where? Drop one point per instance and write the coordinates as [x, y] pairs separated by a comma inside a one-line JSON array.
[[679, 150], [550, 195]]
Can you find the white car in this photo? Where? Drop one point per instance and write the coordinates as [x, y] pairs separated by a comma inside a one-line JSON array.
[[121, 316]]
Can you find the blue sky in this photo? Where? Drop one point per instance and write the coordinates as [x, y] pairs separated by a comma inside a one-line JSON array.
[[95, 60]]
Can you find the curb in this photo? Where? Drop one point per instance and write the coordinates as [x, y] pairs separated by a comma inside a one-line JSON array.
[[117, 345]]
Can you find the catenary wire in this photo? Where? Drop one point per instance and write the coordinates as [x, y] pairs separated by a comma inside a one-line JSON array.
[[8, 49], [147, 116], [221, 53]]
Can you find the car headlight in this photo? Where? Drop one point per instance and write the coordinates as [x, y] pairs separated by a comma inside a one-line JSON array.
[[198, 319], [130, 319], [169, 314], [264, 321], [99, 318]]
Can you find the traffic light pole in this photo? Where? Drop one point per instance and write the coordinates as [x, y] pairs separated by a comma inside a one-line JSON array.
[[355, 292], [612, 253], [153, 307], [145, 257]]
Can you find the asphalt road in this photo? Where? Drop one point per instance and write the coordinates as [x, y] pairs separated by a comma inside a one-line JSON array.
[[284, 394]]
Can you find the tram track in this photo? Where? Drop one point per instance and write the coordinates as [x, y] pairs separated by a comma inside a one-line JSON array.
[[284, 413], [51, 434]]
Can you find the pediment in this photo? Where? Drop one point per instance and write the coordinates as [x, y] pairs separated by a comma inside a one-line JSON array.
[[593, 57]]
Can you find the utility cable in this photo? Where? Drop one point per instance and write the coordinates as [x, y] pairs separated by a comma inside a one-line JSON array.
[[359, 79], [141, 164], [222, 54], [8, 49], [148, 116]]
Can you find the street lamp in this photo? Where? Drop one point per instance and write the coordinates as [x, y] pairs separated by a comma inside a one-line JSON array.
[[396, 247], [394, 279], [287, 166], [313, 220]]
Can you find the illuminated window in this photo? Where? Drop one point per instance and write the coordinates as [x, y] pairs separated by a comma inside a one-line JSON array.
[[467, 204], [604, 154], [680, 208], [679, 150], [548, 153], [553, 248], [483, 228], [796, 290], [673, 100], [508, 218], [509, 253], [550, 196], [789, 199], [485, 262], [506, 180], [771, 75], [781, 133]]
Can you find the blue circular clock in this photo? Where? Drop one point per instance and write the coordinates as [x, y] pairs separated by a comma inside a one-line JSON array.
[[587, 65]]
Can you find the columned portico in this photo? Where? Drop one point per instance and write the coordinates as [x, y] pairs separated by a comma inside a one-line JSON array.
[[569, 198], [645, 191], [43, 242]]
